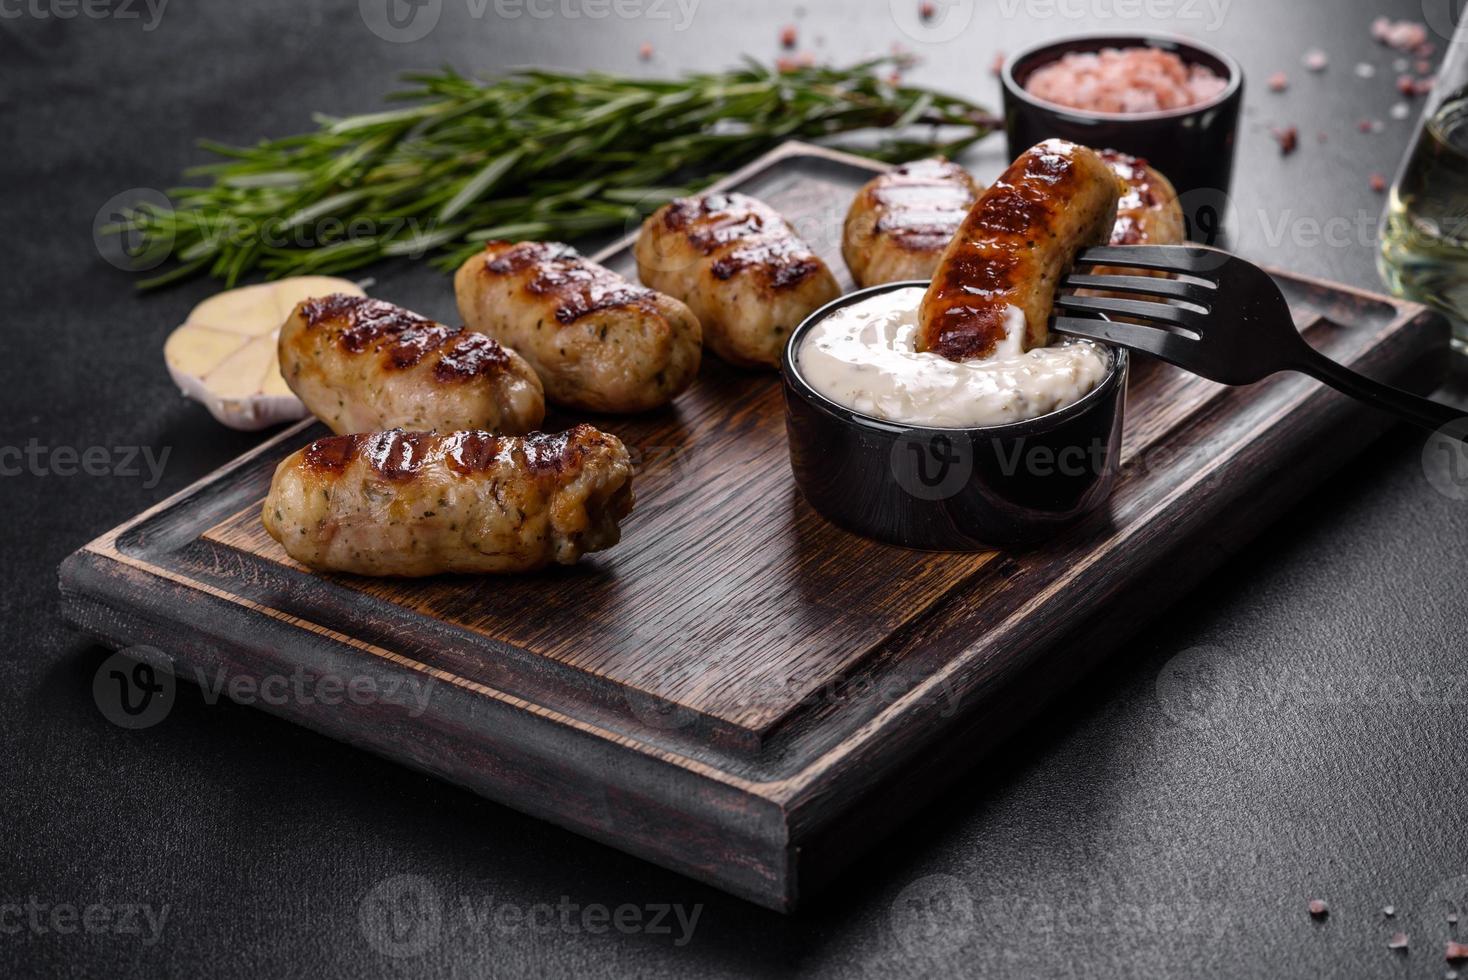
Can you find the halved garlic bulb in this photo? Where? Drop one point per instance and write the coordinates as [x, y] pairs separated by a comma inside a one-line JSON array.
[[224, 357]]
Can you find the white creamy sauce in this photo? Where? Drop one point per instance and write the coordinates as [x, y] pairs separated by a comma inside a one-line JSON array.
[[864, 357]]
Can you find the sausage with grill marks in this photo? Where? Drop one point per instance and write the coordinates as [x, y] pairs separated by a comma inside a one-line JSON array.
[[362, 364], [997, 279], [740, 267], [421, 503], [597, 341], [902, 220]]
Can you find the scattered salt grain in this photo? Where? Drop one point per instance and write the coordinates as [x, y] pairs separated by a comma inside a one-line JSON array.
[[1403, 35], [1400, 65], [1400, 111], [1452, 918], [1389, 910], [1398, 941], [1278, 82], [1316, 60], [1318, 908], [1365, 70]]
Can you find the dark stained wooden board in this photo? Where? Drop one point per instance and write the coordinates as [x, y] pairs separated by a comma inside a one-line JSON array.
[[740, 691]]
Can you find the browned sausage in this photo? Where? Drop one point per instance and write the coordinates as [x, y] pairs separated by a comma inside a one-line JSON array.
[[1003, 266], [420, 503], [902, 220], [597, 341], [361, 364], [740, 266]]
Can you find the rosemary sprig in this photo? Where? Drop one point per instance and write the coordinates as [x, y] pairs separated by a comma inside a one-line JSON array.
[[534, 154]]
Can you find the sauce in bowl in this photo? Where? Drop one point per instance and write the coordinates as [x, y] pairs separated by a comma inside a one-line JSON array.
[[863, 356]]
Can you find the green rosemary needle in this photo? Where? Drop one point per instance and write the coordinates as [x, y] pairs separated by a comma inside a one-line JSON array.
[[533, 154]]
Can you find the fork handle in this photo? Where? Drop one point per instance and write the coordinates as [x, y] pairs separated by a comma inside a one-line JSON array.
[[1423, 411]]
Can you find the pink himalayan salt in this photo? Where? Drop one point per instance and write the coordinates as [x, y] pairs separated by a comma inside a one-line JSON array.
[[1124, 80]]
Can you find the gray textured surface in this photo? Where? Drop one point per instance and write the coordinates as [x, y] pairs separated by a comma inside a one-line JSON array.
[[1151, 825]]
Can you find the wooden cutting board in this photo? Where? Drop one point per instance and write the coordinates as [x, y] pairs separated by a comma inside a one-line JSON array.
[[739, 690]]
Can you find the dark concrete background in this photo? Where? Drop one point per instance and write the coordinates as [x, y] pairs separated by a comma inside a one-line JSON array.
[[1145, 826]]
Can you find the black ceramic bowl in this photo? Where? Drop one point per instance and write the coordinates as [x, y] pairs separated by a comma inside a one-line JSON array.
[[951, 489], [1193, 147]]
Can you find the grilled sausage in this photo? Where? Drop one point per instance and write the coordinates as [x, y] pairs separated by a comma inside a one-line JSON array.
[[998, 276], [1148, 212], [902, 220], [421, 503], [361, 364], [598, 342], [742, 269]]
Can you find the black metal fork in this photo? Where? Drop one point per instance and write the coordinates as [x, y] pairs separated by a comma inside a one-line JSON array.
[[1217, 316]]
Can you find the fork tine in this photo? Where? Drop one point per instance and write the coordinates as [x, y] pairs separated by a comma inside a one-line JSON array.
[[1150, 285], [1195, 260], [1159, 343], [1179, 316]]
